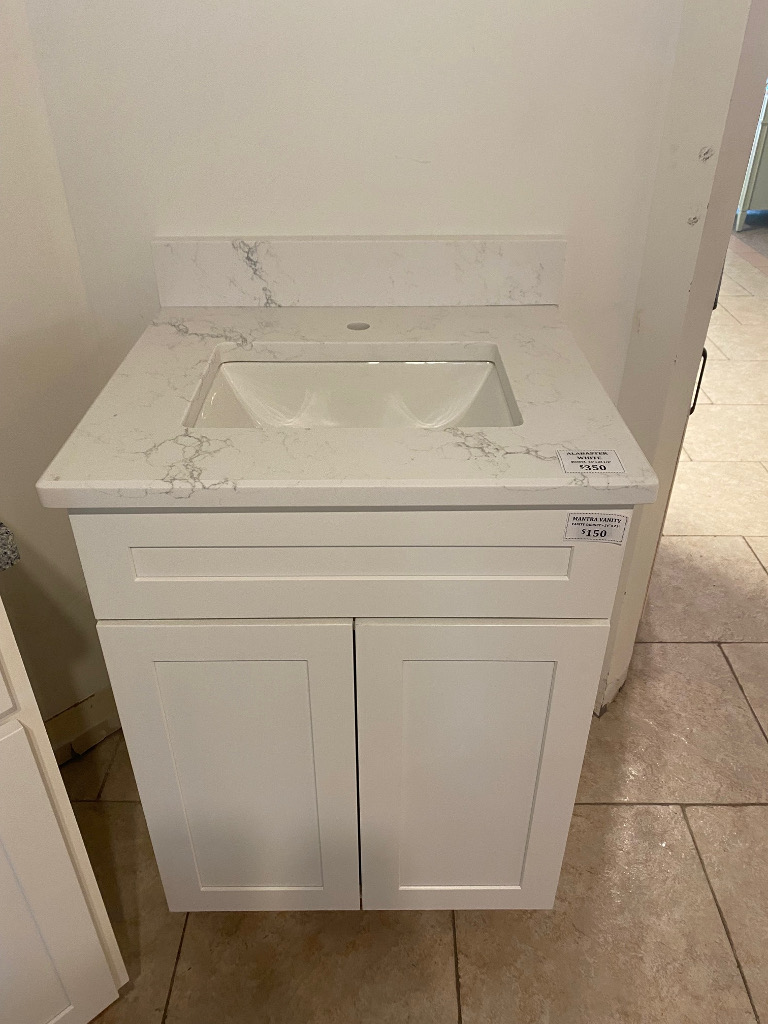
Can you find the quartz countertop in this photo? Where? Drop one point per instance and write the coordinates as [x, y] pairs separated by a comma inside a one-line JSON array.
[[132, 450]]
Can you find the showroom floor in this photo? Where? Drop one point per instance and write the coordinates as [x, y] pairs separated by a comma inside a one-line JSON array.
[[662, 910]]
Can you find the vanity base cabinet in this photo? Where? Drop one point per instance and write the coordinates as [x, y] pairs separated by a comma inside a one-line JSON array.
[[250, 741], [242, 738], [471, 738]]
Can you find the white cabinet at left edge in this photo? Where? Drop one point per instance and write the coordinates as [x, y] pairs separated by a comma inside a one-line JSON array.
[[58, 957], [335, 710]]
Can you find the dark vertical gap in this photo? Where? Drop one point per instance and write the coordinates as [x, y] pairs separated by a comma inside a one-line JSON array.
[[357, 767], [109, 767], [724, 923], [456, 968], [173, 972]]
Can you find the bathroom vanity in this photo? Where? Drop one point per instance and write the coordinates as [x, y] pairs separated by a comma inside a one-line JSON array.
[[353, 586]]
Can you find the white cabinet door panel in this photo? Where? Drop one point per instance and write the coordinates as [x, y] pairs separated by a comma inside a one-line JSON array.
[[242, 737], [471, 737], [30, 989], [52, 967], [460, 765]]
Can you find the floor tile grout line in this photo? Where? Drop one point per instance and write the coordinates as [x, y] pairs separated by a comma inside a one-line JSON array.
[[743, 693], [701, 643], [456, 968], [109, 769], [173, 972], [746, 541], [723, 921], [670, 803]]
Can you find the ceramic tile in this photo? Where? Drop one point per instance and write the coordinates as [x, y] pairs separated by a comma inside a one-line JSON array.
[[737, 382], [679, 730], [739, 342], [746, 274], [83, 776], [634, 937], [706, 589], [750, 310], [728, 433], [760, 546], [714, 354], [718, 498], [729, 287], [684, 456], [148, 934], [755, 257], [733, 842], [750, 663], [722, 318], [307, 968], [120, 783]]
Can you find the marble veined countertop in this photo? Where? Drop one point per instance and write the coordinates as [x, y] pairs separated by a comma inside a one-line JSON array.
[[132, 450]]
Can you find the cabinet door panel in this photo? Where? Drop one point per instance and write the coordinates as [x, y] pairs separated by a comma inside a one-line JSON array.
[[52, 966], [470, 746], [242, 737], [471, 737]]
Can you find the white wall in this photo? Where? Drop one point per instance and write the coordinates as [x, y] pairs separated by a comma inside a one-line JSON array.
[[49, 373], [354, 117]]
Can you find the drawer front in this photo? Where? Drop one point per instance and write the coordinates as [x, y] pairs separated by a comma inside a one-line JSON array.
[[375, 564]]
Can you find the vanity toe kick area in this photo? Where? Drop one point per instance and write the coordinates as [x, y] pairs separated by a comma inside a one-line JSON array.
[[354, 619]]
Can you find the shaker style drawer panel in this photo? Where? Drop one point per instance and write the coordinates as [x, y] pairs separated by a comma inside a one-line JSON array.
[[512, 563], [335, 562]]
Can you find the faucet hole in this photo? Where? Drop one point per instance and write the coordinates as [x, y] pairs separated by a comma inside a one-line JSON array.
[[357, 326]]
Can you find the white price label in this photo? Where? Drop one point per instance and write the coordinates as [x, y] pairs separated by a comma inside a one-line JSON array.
[[590, 462], [598, 527]]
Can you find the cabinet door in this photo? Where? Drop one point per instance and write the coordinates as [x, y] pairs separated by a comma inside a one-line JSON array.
[[242, 738], [471, 738], [52, 966]]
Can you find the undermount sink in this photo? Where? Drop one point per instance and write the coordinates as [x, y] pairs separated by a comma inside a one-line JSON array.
[[428, 394]]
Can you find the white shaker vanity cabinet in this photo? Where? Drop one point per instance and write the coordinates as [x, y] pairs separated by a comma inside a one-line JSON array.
[[355, 661]]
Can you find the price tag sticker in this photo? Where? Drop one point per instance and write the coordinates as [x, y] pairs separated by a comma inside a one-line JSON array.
[[597, 527], [590, 461]]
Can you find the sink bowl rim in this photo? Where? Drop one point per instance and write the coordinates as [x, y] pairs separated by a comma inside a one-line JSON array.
[[367, 351]]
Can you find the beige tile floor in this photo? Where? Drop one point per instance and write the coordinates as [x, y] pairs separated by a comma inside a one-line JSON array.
[[662, 910]]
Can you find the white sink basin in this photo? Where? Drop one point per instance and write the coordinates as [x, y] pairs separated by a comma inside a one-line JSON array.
[[363, 393]]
